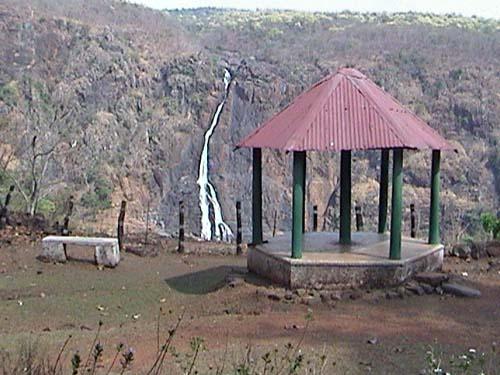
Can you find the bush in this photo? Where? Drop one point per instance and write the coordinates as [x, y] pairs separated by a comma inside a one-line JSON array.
[[100, 196], [491, 224], [46, 207]]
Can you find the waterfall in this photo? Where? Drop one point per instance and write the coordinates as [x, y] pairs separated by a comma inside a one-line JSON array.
[[208, 195]]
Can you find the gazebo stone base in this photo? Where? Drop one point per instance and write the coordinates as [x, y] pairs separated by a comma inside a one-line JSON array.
[[328, 264]]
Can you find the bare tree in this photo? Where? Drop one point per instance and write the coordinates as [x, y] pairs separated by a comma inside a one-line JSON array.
[[46, 128]]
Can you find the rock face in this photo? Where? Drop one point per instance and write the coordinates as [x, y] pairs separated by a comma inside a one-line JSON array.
[[139, 88]]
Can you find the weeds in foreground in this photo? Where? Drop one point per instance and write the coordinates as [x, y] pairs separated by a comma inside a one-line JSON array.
[[470, 363], [288, 360]]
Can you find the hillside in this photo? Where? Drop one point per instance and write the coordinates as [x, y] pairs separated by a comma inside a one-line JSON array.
[[119, 98]]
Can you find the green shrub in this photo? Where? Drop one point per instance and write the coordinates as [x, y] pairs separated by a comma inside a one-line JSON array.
[[491, 224], [46, 207], [100, 196], [9, 93]]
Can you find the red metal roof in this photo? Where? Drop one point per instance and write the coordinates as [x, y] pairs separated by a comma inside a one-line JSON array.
[[345, 111]]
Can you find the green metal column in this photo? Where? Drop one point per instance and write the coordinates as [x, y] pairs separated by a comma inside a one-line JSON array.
[[304, 200], [345, 197], [434, 237], [299, 182], [397, 204], [257, 196], [384, 187]]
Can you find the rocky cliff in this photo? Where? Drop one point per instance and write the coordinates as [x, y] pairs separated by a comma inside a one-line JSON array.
[[119, 98]]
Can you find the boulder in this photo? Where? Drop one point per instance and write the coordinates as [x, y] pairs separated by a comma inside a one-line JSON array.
[[460, 290], [432, 278], [478, 250], [462, 251], [493, 249]]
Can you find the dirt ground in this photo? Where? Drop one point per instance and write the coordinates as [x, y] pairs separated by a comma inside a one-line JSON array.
[[366, 333]]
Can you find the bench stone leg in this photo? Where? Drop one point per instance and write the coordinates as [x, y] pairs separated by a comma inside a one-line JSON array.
[[53, 252], [108, 256]]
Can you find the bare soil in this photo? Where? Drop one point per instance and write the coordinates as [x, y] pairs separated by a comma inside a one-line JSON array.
[[47, 302]]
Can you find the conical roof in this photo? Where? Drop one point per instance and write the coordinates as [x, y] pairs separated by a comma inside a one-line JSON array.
[[345, 111]]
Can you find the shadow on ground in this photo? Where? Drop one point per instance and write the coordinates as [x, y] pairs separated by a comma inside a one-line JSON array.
[[212, 279], [202, 282]]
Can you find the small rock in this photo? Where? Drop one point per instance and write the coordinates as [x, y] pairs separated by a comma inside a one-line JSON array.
[[391, 294], [427, 288], [300, 292], [417, 289], [356, 294], [372, 341], [325, 298], [39, 272], [312, 293], [462, 251], [318, 286], [310, 300], [274, 296], [46, 329], [401, 292], [336, 295], [432, 278], [233, 282], [465, 274], [460, 290], [42, 295]]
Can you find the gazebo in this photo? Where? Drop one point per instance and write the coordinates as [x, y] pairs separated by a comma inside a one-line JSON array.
[[346, 112]]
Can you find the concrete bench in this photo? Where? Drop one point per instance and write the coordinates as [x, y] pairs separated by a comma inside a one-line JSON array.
[[107, 252]]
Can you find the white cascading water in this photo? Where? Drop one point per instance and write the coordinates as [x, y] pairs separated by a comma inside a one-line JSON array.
[[208, 195]]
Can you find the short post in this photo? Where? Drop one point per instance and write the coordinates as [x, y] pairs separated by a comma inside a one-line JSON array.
[[315, 218], [257, 196], [4, 211], [121, 220], [413, 226], [434, 236], [180, 246], [275, 219], [383, 193], [299, 165], [238, 228], [147, 223], [345, 197], [65, 228], [397, 204], [359, 218]]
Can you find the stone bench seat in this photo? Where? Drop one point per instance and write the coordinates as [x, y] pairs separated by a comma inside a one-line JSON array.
[[107, 252]]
